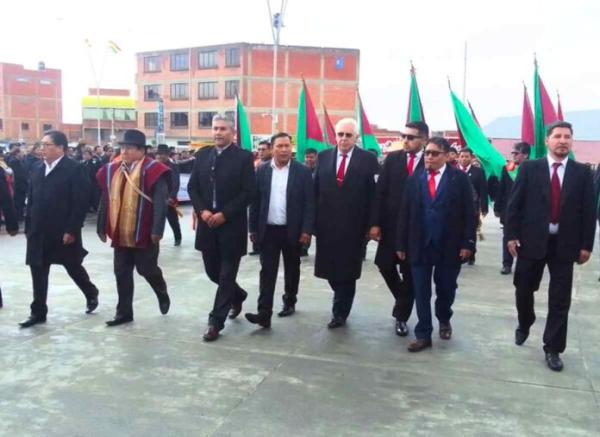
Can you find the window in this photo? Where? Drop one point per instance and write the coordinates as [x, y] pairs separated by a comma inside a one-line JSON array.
[[205, 118], [231, 88], [151, 92], [1, 124], [46, 127], [179, 119], [45, 82], [179, 91], [151, 64], [180, 62], [232, 57], [124, 114], [230, 115], [151, 119], [23, 79], [207, 90], [24, 126], [207, 59]]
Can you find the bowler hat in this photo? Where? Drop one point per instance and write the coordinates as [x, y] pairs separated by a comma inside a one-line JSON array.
[[133, 137], [163, 149]]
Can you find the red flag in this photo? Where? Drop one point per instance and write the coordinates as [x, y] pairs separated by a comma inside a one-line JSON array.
[[527, 123], [559, 112], [329, 129]]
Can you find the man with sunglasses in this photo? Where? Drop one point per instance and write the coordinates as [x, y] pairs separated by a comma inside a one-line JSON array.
[[519, 154], [397, 168], [436, 234], [345, 191]]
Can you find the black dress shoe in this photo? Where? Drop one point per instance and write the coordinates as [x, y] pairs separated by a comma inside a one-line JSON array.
[[211, 334], [119, 320], [92, 304], [401, 328], [471, 262], [236, 308], [287, 310], [304, 253], [259, 319], [418, 345], [445, 331], [164, 303], [253, 253], [506, 270], [336, 322], [553, 361], [177, 243], [32, 320], [520, 336]]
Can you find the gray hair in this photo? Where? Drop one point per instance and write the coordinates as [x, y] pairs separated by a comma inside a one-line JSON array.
[[219, 116], [348, 120]]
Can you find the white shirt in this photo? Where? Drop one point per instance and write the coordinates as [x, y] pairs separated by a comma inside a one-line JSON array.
[[438, 177], [278, 198], [52, 165], [221, 150], [340, 157], [418, 156], [466, 169], [560, 172]]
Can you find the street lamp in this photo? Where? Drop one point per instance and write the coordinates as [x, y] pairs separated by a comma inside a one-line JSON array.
[[276, 21]]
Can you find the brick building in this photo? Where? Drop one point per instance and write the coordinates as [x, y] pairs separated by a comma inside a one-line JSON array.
[[30, 101], [116, 110], [194, 83]]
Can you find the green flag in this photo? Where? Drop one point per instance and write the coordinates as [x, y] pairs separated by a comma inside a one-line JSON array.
[[309, 133], [415, 109], [369, 142], [491, 160], [244, 138]]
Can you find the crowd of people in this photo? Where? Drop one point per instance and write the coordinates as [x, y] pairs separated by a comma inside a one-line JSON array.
[[422, 205]]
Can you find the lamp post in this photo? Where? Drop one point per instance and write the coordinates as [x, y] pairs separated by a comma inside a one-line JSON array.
[[276, 21]]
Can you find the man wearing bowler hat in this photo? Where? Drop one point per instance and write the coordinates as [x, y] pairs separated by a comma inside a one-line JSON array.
[[132, 213]]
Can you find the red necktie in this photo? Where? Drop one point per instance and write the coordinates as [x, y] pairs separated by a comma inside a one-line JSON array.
[[555, 194], [341, 171], [411, 164], [464, 169], [432, 174]]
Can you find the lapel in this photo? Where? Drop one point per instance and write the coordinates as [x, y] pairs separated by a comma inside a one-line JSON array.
[[544, 173], [290, 181], [568, 182], [56, 169], [268, 177], [442, 186], [352, 166]]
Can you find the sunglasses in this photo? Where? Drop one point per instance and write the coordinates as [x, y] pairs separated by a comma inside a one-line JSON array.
[[515, 152], [433, 153], [409, 137], [344, 134]]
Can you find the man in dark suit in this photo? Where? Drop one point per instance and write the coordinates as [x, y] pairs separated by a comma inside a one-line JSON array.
[[551, 220], [57, 203], [519, 154], [20, 181], [436, 233], [221, 187], [310, 161], [281, 219], [345, 190], [7, 210], [597, 192], [397, 167], [92, 164], [162, 155]]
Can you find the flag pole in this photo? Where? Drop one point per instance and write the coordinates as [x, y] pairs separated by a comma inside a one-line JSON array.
[[465, 75]]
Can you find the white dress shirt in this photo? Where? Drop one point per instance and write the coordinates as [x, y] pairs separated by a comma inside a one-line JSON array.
[[339, 160], [560, 172], [418, 156], [466, 169], [278, 198], [438, 177], [51, 166]]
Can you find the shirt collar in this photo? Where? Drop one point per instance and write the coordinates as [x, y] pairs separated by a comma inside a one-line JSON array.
[[273, 165], [417, 154], [348, 153], [222, 149], [552, 161], [53, 163]]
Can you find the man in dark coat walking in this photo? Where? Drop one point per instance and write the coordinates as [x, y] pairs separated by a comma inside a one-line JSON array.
[[20, 181], [345, 192], [57, 203], [7, 211], [162, 155], [221, 187]]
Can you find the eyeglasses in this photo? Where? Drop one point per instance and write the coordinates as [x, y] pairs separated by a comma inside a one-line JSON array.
[[344, 134], [433, 153], [409, 137]]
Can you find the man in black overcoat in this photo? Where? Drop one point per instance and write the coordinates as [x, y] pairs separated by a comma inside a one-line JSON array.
[[7, 211]]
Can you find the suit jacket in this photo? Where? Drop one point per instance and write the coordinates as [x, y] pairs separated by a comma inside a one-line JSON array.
[[233, 173], [300, 201], [502, 195], [388, 198], [528, 212], [479, 183], [459, 221], [344, 214], [7, 207], [597, 190], [175, 180], [56, 205]]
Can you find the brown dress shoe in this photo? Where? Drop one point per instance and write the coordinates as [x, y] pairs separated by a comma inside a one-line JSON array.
[[419, 344], [445, 331], [211, 334]]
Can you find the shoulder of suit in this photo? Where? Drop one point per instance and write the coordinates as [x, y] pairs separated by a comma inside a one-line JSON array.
[[204, 150]]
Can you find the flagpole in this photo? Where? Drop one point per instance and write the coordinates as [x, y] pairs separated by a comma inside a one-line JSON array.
[[276, 21], [465, 75]]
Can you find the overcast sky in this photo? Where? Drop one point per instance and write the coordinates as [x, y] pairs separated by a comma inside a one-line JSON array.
[[502, 37]]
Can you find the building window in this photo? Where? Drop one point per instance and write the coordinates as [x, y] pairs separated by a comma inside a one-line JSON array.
[[124, 114], [151, 92], [179, 91], [23, 79], [1, 124], [45, 82], [46, 127], [151, 119], [151, 64], [205, 118], [230, 115], [207, 90], [179, 119], [24, 127], [232, 57], [207, 59], [231, 88], [180, 62]]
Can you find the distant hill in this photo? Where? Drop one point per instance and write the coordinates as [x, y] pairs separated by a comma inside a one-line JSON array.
[[586, 125]]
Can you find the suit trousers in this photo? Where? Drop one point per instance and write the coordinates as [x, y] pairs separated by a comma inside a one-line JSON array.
[[173, 220], [401, 289], [39, 276], [507, 258], [222, 270], [528, 275], [145, 261], [343, 297], [276, 243], [445, 277]]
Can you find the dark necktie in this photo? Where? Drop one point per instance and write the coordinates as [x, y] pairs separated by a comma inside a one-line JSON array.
[[411, 164], [432, 175], [555, 194], [341, 171]]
